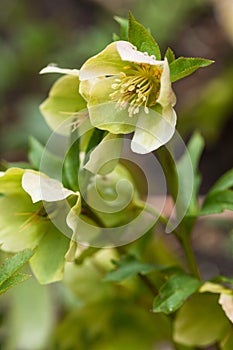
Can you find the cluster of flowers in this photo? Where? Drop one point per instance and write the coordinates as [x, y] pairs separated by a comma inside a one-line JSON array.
[[121, 90]]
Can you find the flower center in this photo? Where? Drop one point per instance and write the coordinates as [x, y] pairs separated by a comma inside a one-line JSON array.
[[138, 85]]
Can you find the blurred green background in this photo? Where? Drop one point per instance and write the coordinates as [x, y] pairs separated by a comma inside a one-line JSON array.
[[66, 32]]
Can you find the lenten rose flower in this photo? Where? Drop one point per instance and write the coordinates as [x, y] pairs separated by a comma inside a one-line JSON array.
[[29, 202], [129, 91]]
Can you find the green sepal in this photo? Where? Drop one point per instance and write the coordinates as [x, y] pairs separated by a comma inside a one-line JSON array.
[[184, 66], [174, 292], [169, 54], [142, 39], [124, 27]]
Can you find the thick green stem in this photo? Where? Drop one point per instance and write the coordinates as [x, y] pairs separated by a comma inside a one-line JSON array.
[[185, 241]]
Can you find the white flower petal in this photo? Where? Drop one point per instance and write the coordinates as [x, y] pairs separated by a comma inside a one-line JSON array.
[[166, 95], [128, 52], [153, 130], [55, 69], [42, 188], [226, 301]]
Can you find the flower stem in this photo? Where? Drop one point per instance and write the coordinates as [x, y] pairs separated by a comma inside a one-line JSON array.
[[185, 241]]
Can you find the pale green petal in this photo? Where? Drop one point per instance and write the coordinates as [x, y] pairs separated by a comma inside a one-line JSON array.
[[86, 87], [19, 228], [153, 130], [55, 69], [107, 62], [166, 95], [63, 102], [10, 181], [105, 156], [43, 188], [48, 261], [104, 113]]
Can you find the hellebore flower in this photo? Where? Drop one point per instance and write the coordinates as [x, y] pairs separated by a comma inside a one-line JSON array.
[[127, 90], [29, 202]]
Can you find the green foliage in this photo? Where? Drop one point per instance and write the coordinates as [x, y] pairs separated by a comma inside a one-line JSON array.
[[127, 267], [220, 196], [8, 276], [51, 162], [190, 158], [142, 39], [123, 28], [174, 292], [169, 54], [72, 163], [184, 66]]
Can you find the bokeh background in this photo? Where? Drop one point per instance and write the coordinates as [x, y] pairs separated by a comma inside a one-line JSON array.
[[66, 32]]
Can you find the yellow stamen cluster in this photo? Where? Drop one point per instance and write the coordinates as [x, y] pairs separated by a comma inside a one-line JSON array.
[[137, 86]]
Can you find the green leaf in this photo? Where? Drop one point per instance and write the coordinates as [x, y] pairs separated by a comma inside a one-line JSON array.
[[174, 292], [220, 197], [184, 66], [13, 281], [71, 163], [225, 182], [124, 24], [8, 276], [142, 39], [188, 197], [51, 162], [14, 264], [201, 321], [170, 55], [129, 266], [36, 150]]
